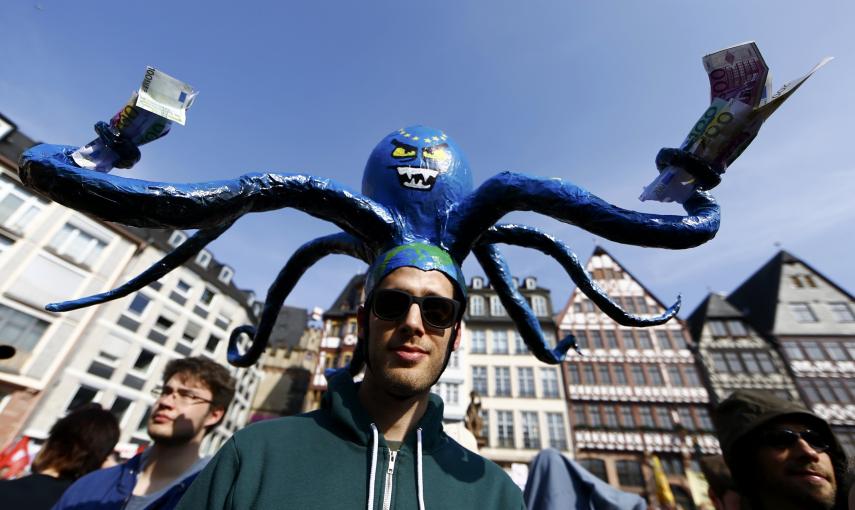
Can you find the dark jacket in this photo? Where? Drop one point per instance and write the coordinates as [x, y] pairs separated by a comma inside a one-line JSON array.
[[110, 488], [34, 492], [330, 457], [746, 412]]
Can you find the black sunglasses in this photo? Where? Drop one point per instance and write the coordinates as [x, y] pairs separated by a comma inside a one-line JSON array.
[[786, 438], [393, 305]]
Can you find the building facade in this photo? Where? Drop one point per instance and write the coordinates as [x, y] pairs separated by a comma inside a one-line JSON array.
[[733, 355], [523, 403], [288, 363], [636, 392], [811, 319]]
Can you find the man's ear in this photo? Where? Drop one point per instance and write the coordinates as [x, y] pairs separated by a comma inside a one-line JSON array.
[[361, 318], [214, 416], [457, 334]]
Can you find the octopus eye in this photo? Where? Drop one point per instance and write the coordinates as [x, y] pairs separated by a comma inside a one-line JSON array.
[[401, 152], [438, 152]]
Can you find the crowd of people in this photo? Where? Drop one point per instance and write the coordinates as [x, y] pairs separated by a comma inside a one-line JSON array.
[[379, 443]]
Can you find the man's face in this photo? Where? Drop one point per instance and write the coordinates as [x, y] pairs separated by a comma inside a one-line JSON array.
[[796, 474], [407, 355], [182, 411]]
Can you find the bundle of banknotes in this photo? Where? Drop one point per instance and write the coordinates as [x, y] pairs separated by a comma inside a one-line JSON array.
[[741, 100], [147, 116]]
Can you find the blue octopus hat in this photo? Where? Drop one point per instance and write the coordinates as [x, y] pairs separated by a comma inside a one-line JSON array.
[[426, 257]]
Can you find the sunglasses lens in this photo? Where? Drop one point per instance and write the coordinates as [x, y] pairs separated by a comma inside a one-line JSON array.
[[438, 311], [780, 438], [391, 304], [815, 440]]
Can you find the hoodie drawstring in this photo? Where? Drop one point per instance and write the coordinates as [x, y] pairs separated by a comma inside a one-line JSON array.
[[419, 481], [373, 474]]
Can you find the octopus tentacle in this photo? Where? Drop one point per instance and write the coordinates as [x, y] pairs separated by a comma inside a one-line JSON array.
[[50, 170], [566, 202], [300, 261], [497, 271], [530, 237], [170, 261]]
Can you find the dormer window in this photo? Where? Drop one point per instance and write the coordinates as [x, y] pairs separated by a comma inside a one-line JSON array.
[[177, 238], [477, 282], [530, 283], [203, 258], [226, 274]]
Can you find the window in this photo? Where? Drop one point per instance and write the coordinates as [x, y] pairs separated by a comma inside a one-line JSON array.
[[557, 434], [672, 465], [530, 283], [686, 418], [628, 339], [717, 328], [72, 243], [119, 407], [573, 371], [718, 362], [207, 296], [663, 416], [530, 430], [538, 305], [212, 343], [588, 372], [5, 243], [84, 395], [22, 331], [641, 304], [18, 207], [526, 381], [505, 429], [191, 332], [579, 418], [675, 376], [596, 340], [691, 374], [814, 352], [646, 415], [479, 379], [605, 376], [663, 340], [610, 417], [736, 328], [222, 321], [704, 418], [203, 258], [519, 344], [596, 467], [581, 339], [139, 304], [654, 375], [503, 381], [802, 312], [611, 339], [793, 351], [835, 351], [594, 416], [177, 238], [476, 305], [841, 312], [485, 430], [766, 365], [644, 341], [620, 375], [626, 418], [496, 308], [479, 341], [110, 354], [750, 362], [144, 420], [629, 473], [144, 361], [549, 380], [477, 283], [453, 359], [500, 342], [226, 274], [679, 337], [637, 375]]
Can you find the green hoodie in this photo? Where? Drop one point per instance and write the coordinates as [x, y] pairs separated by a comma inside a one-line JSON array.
[[324, 460]]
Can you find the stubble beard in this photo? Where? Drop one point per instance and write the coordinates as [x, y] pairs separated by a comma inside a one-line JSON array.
[[178, 437]]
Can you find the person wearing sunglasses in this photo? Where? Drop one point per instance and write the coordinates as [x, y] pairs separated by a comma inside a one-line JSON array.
[[781, 455], [189, 403], [378, 443]]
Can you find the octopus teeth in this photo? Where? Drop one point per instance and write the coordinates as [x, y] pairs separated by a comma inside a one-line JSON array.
[[418, 178]]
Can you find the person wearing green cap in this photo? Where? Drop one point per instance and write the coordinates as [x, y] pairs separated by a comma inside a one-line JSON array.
[[781, 455], [379, 443]]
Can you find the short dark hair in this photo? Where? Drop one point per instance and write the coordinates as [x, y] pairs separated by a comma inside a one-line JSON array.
[[214, 376], [79, 443]]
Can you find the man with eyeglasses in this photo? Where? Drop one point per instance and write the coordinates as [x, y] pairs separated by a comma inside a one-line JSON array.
[[378, 443], [781, 455], [191, 402]]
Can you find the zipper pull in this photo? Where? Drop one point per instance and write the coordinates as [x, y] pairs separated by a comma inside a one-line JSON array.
[[392, 455]]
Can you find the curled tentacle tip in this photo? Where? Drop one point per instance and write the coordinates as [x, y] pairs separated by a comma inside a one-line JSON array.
[[567, 343], [55, 307], [251, 355]]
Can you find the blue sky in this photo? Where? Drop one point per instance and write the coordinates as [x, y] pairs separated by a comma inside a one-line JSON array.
[[585, 91]]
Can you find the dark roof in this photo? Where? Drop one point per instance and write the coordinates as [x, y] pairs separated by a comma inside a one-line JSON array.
[[349, 300], [289, 328], [757, 296], [714, 306], [13, 146]]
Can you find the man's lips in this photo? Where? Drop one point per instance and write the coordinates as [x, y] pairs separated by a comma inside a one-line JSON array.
[[160, 418], [810, 475], [409, 352]]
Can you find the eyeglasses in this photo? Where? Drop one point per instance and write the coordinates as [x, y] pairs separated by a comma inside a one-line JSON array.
[[184, 396], [393, 305], [786, 438]]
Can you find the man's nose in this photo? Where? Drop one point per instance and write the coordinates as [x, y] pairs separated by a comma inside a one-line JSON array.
[[413, 320], [805, 449]]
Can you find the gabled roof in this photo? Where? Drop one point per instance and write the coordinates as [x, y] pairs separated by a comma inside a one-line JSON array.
[[289, 327], [349, 300], [714, 306], [757, 297]]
